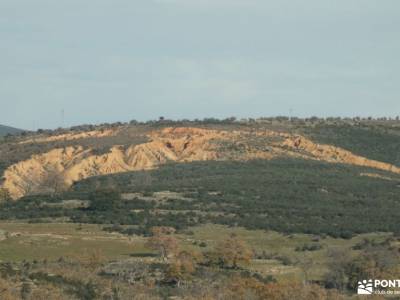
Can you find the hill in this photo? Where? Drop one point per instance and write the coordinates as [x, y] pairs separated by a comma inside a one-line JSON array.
[[170, 144], [260, 176], [4, 130], [233, 208]]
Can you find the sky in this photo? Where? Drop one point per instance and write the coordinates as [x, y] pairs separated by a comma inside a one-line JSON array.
[[118, 60]]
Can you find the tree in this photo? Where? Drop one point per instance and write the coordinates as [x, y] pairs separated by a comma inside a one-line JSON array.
[[336, 276], [163, 242], [233, 251], [375, 262], [104, 199], [182, 266], [4, 195], [251, 288], [363, 266], [305, 263], [54, 182], [29, 187]]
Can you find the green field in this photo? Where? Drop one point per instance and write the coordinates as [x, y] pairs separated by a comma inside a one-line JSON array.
[[276, 244], [52, 241]]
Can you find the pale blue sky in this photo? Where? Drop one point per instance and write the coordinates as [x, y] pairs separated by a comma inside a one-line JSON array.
[[117, 60]]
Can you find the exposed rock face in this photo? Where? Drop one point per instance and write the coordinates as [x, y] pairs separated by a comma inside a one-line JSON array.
[[335, 155], [76, 163], [374, 175], [171, 144], [72, 136]]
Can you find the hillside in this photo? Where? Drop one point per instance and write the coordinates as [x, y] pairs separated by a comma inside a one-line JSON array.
[[171, 144], [4, 130], [285, 168], [163, 210]]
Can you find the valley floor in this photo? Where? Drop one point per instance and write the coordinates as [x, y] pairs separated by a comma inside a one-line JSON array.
[[52, 247]]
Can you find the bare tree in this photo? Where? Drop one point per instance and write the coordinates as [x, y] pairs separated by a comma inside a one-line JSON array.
[[53, 183], [163, 241], [233, 251], [4, 195]]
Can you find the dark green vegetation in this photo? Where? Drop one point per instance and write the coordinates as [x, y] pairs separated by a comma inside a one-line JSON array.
[[291, 196], [380, 143]]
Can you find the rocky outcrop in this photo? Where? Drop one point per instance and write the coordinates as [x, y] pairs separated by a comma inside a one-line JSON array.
[[171, 144], [76, 163], [71, 136], [335, 154]]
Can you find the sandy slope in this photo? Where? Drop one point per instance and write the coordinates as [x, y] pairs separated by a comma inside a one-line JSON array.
[[171, 144]]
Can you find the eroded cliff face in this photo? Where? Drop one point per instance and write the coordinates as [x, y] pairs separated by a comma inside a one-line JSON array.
[[71, 136], [76, 163], [334, 154], [171, 144]]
